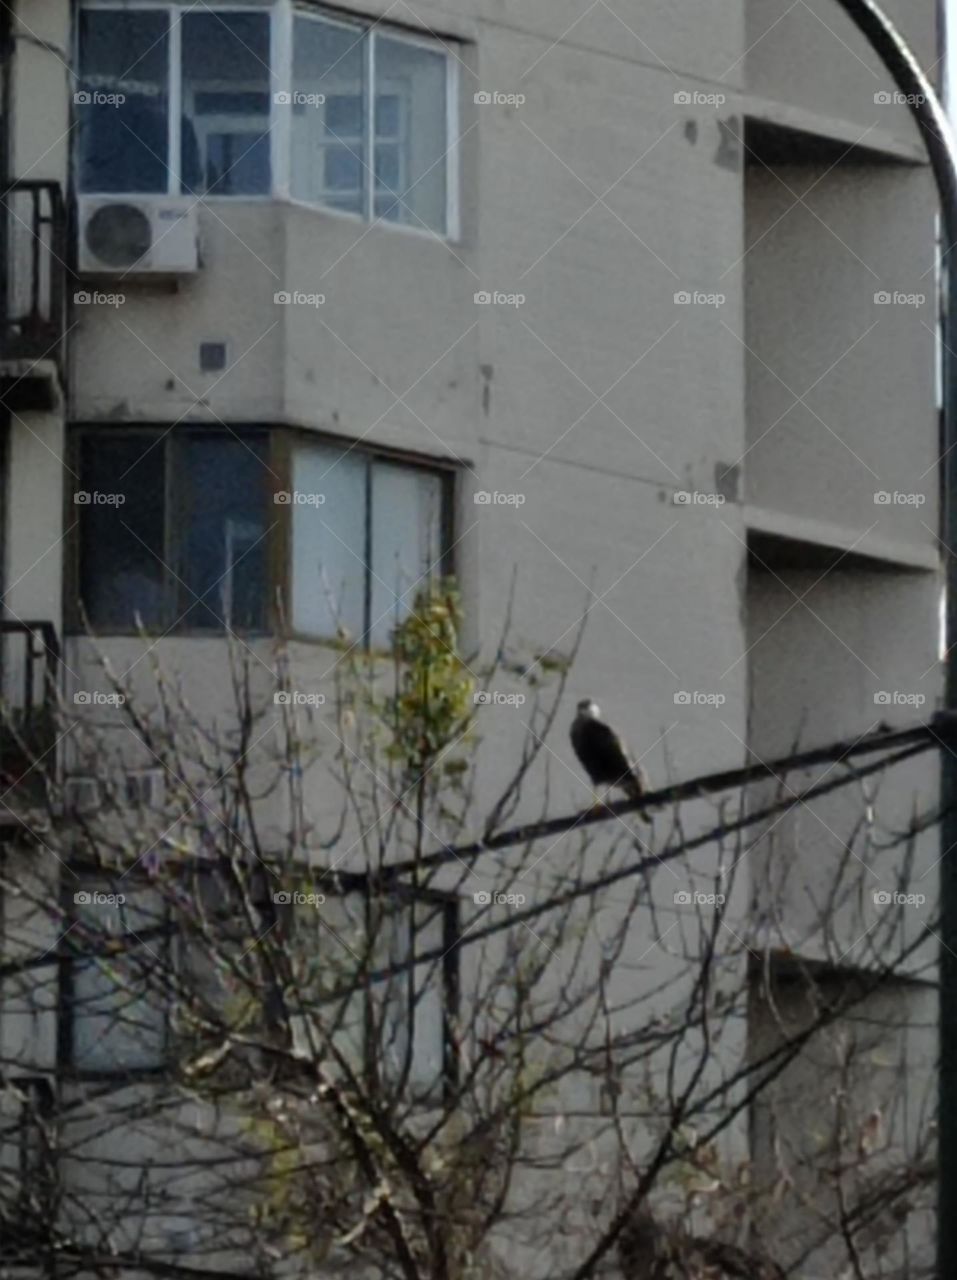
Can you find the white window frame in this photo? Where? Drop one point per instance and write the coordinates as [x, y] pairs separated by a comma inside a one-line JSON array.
[[282, 14]]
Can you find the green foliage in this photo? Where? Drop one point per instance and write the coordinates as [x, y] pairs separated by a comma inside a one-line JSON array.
[[431, 707]]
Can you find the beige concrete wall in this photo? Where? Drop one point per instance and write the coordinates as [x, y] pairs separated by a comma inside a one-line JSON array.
[[597, 400], [813, 55]]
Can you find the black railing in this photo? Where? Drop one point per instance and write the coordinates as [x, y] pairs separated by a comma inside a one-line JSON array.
[[29, 661], [32, 270]]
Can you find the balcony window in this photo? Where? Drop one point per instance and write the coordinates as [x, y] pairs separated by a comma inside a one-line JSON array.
[[355, 117], [114, 1003], [173, 529], [176, 531], [394, 1026], [360, 555]]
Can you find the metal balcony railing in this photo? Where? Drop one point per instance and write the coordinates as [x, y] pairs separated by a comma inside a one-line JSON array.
[[29, 658], [33, 274]]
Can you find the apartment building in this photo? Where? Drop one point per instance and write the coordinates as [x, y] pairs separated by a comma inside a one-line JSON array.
[[306, 302]]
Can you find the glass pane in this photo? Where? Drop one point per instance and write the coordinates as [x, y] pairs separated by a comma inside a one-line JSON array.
[[120, 504], [118, 1017], [327, 97], [386, 115], [328, 541], [122, 104], [223, 551], [411, 88], [406, 542], [416, 1014], [342, 170], [226, 103]]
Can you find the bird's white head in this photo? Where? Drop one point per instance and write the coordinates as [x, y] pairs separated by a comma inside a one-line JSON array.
[[589, 708]]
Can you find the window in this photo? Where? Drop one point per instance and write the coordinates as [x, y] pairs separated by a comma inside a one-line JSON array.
[[361, 555], [176, 531], [375, 141], [396, 1027], [174, 102], [357, 117], [173, 529], [115, 1015]]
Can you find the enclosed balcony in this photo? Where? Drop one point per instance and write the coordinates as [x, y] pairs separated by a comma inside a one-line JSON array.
[[29, 658], [32, 295]]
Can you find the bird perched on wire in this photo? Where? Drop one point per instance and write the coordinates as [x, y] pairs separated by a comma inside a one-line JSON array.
[[604, 755]]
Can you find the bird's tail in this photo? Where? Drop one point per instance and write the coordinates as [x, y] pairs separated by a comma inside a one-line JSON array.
[[635, 786]]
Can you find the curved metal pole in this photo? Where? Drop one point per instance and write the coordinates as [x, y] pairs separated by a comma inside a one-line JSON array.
[[926, 108]]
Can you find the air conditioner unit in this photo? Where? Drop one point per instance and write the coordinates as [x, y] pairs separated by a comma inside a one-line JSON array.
[[81, 795], [145, 789], [137, 235]]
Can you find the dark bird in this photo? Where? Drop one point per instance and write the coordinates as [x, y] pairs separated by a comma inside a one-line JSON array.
[[604, 755]]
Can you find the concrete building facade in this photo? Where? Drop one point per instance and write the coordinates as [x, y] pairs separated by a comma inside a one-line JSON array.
[[303, 303]]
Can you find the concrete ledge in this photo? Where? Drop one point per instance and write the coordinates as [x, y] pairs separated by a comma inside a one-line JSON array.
[[830, 541], [880, 143], [31, 385]]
